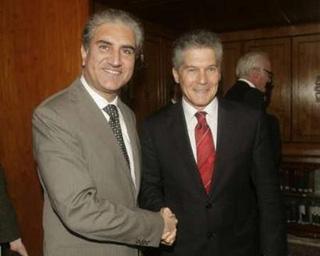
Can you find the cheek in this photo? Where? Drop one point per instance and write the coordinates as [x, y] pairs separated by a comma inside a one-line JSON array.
[[189, 80], [129, 63]]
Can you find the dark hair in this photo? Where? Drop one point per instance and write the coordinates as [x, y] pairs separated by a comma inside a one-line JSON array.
[[113, 16]]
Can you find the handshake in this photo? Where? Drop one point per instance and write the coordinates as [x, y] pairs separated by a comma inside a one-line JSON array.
[[170, 226]]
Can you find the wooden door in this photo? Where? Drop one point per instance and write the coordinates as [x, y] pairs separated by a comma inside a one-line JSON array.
[[40, 54], [232, 51], [149, 89], [306, 89]]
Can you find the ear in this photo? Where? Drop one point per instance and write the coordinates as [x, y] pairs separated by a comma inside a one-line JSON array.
[[175, 75], [84, 54]]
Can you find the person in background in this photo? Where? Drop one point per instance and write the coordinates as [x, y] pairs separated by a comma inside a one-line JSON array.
[[9, 233], [88, 152], [254, 74], [254, 88], [214, 167]]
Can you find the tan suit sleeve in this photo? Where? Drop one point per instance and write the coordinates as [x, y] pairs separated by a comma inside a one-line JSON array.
[[64, 175]]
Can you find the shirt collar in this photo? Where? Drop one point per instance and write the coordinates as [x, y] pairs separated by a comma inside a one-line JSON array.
[[99, 100], [190, 111], [248, 82]]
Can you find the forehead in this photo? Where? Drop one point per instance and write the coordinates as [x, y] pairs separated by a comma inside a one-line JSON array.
[[199, 56], [115, 33]]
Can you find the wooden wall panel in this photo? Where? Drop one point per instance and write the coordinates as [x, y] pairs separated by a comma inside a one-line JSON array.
[[306, 88], [232, 51], [40, 54], [146, 85]]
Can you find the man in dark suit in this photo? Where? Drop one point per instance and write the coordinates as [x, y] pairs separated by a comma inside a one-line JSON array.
[[210, 162], [9, 233], [254, 88], [88, 153]]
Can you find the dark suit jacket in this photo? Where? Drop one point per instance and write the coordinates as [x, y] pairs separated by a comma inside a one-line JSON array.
[[242, 92], [8, 224], [243, 214]]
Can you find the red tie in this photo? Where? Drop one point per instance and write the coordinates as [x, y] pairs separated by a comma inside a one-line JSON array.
[[206, 153]]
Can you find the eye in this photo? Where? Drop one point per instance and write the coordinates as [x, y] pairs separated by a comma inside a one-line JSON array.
[[212, 69], [104, 47], [191, 70], [128, 51]]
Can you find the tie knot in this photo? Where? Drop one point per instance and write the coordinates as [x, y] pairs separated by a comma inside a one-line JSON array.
[[112, 111], [201, 117]]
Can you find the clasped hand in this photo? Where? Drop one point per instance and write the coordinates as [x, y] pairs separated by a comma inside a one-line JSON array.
[[170, 226]]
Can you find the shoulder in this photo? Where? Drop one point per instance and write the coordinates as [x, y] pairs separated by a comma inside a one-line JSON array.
[[239, 88], [241, 84], [60, 99], [61, 112], [164, 113]]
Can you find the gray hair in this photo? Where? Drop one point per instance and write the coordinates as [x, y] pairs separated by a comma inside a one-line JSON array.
[[113, 16], [196, 39], [249, 61]]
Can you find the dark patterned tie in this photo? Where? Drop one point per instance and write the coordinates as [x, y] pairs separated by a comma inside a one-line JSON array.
[[114, 123], [206, 153]]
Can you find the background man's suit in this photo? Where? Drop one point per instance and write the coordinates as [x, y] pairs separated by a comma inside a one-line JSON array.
[[242, 92], [8, 224], [89, 196], [244, 203]]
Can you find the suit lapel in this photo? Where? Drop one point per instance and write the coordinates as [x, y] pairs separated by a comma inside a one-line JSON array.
[[180, 138], [225, 132], [98, 123], [131, 128]]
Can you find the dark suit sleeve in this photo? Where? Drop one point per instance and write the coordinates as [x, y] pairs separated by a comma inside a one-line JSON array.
[[266, 180], [151, 194], [275, 133], [8, 224]]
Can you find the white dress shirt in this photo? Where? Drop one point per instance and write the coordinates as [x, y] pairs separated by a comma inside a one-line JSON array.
[[102, 103], [248, 82], [191, 120]]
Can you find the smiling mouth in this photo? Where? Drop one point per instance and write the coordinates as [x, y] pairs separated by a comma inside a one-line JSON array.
[[203, 90], [112, 72]]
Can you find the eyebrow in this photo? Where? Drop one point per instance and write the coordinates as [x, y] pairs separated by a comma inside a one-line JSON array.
[[193, 66], [101, 41]]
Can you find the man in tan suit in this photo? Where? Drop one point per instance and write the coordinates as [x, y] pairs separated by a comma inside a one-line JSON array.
[[88, 152]]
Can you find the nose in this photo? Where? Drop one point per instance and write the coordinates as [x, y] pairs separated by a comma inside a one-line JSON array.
[[203, 79], [115, 58]]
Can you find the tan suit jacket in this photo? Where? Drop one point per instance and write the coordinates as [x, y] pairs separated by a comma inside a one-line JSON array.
[[90, 200]]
